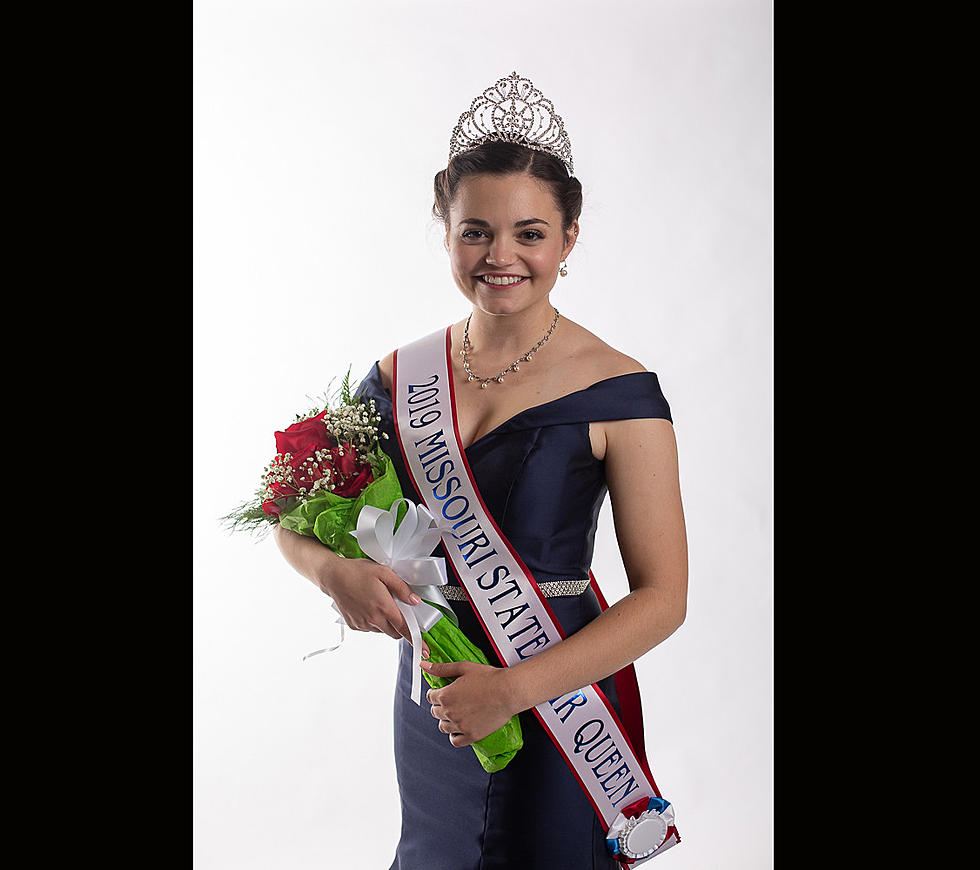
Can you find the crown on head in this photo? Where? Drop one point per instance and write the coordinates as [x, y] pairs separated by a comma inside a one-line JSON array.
[[513, 110]]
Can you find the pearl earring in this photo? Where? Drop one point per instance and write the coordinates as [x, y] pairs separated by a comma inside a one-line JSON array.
[[563, 271]]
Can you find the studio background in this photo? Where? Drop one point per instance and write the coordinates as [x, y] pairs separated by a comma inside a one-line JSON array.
[[318, 128]]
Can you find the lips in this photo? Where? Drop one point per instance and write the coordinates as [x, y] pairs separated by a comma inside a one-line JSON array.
[[501, 280]]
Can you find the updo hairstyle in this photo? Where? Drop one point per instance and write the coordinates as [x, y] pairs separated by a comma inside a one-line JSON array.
[[502, 158]]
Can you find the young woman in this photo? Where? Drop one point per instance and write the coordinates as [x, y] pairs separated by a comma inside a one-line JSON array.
[[550, 418]]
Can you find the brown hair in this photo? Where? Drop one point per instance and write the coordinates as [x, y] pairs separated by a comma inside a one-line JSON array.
[[503, 158]]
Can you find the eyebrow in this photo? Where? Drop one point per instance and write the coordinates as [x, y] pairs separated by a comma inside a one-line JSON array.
[[482, 223]]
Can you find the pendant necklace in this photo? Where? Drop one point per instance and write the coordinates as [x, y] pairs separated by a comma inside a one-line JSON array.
[[513, 367]]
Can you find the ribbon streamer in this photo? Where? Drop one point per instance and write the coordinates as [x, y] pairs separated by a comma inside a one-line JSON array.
[[337, 645], [406, 550]]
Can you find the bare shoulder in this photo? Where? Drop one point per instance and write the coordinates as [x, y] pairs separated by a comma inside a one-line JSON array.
[[615, 363], [601, 359], [596, 360]]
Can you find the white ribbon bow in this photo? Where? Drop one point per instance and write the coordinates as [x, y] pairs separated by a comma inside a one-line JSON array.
[[406, 551]]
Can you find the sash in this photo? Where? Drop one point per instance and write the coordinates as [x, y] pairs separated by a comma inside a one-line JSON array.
[[608, 762]]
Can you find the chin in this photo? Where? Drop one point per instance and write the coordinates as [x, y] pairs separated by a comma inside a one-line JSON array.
[[496, 307]]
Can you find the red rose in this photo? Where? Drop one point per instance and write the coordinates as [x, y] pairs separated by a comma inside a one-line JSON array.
[[309, 433], [306, 469], [351, 488], [280, 490], [356, 477], [271, 508], [348, 477], [346, 464]]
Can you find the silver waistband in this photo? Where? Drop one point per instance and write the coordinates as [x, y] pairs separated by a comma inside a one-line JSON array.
[[551, 589]]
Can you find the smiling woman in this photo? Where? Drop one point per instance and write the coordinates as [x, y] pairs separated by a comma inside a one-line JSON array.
[[506, 259], [517, 461], [531, 188]]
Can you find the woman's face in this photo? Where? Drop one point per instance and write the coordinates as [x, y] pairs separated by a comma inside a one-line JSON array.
[[505, 241]]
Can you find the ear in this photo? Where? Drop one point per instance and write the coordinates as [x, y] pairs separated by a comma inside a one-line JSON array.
[[571, 237]]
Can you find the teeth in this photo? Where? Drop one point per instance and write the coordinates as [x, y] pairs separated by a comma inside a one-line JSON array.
[[490, 279]]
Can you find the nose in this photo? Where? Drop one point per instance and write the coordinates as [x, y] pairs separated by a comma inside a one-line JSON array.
[[501, 253]]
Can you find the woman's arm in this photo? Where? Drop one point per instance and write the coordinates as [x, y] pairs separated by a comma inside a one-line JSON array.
[[644, 490], [642, 476]]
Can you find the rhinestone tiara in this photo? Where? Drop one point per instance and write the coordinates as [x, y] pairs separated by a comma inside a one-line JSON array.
[[513, 110]]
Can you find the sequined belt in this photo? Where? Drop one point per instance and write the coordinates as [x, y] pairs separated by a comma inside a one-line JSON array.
[[551, 589]]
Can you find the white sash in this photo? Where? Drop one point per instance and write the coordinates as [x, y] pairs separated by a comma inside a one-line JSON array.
[[514, 614]]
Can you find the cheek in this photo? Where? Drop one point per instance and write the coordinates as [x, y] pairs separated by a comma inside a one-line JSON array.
[[462, 260], [544, 262]]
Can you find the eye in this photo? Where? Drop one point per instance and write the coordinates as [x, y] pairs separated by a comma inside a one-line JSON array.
[[532, 235], [467, 234]]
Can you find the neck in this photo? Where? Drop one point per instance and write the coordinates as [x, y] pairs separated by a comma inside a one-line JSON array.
[[513, 334]]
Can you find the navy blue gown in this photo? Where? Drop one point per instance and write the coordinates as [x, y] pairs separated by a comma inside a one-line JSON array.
[[544, 488]]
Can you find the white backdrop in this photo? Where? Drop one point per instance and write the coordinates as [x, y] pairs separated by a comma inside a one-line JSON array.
[[318, 127]]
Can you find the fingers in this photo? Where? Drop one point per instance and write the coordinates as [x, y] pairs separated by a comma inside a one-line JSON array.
[[436, 710], [446, 724], [391, 614], [397, 620], [447, 669], [368, 608], [385, 627], [393, 631], [398, 587], [383, 615]]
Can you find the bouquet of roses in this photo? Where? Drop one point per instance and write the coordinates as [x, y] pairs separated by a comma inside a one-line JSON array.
[[331, 480]]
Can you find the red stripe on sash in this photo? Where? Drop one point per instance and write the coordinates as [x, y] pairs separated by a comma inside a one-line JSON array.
[[628, 690]]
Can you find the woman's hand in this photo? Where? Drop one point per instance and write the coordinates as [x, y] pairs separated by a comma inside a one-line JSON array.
[[363, 591], [475, 704]]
